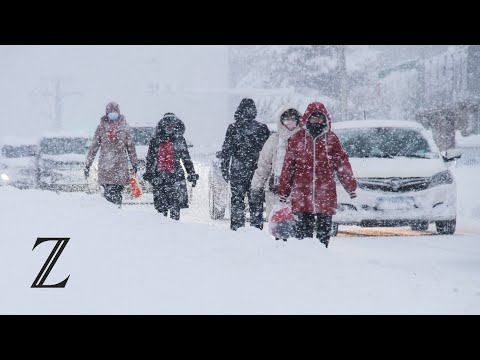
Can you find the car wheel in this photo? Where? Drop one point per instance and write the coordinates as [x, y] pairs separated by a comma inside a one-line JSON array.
[[216, 212], [334, 230], [446, 227], [420, 226]]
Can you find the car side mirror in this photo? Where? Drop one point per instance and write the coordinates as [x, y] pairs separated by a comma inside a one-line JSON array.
[[451, 154], [218, 154]]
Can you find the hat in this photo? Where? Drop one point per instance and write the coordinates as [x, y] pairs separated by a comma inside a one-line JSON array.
[[112, 107]]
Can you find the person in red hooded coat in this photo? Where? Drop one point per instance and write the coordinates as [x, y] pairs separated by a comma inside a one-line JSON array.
[[313, 157]]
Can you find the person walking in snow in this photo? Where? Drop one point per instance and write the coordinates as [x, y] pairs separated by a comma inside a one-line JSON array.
[[270, 163], [164, 170], [113, 137], [242, 145], [314, 155]]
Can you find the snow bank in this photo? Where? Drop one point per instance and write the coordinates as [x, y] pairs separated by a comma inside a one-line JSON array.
[[135, 261]]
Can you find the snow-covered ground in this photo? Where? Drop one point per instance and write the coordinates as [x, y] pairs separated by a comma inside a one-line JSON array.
[[134, 261]]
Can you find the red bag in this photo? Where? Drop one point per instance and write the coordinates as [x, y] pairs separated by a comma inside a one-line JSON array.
[[282, 222], [136, 191]]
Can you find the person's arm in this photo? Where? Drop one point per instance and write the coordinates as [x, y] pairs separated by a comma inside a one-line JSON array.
[[151, 160], [288, 172], [92, 151], [132, 152], [264, 166], [188, 163], [343, 168], [186, 159], [227, 150]]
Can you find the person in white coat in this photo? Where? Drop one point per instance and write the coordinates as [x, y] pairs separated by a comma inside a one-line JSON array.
[[270, 163]]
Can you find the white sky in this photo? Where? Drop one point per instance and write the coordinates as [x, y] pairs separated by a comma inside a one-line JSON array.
[[104, 73]]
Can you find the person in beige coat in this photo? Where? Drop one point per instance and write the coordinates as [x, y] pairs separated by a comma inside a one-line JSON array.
[[113, 137], [269, 168]]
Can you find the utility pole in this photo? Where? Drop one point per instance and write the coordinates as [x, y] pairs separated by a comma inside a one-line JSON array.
[[342, 73], [58, 96]]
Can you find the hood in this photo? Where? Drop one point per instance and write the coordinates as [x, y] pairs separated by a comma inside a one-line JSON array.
[[246, 111], [316, 106], [171, 119], [399, 167], [282, 131], [112, 107]]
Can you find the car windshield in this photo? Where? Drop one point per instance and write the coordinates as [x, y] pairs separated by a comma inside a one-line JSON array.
[[385, 143], [143, 135], [10, 151], [58, 146]]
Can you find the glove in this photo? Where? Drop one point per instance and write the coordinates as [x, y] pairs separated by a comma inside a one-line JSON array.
[[283, 199], [193, 179], [352, 194], [86, 171]]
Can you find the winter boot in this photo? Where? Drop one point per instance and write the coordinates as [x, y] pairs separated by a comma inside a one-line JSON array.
[[324, 240]]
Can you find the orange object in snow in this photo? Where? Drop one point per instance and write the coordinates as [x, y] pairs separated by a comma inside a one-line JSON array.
[[136, 191]]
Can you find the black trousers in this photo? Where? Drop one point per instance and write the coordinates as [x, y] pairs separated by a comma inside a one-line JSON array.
[[237, 206], [113, 193], [308, 223], [174, 213]]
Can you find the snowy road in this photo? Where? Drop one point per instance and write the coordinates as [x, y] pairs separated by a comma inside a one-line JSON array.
[[134, 261]]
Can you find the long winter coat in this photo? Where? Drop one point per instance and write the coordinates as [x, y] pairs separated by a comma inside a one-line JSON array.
[[170, 188], [309, 169], [115, 141], [270, 162], [243, 142]]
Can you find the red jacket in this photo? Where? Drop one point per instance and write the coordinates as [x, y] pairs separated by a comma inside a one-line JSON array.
[[309, 169]]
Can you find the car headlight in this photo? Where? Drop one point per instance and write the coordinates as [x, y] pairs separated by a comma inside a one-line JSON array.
[[4, 177], [444, 177]]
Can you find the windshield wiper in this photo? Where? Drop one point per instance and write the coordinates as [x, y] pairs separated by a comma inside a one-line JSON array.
[[418, 156]]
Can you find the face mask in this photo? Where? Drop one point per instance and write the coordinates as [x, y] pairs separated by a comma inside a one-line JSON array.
[[113, 116]]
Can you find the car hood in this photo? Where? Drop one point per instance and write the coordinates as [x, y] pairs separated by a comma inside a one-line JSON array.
[[399, 167], [24, 162], [65, 158]]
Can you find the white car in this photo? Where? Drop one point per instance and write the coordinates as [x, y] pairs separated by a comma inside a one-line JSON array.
[[61, 163], [17, 162], [403, 179]]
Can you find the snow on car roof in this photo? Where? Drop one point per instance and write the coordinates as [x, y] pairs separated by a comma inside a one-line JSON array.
[[18, 141], [150, 124], [358, 124], [65, 134]]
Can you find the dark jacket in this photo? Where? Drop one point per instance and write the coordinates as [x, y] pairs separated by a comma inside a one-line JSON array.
[[170, 188], [243, 142]]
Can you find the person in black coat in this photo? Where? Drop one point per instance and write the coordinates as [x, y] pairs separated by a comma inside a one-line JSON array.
[[164, 170], [240, 151]]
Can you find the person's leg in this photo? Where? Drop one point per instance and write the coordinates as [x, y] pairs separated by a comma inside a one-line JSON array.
[[175, 213], [304, 226], [159, 197], [255, 201], [113, 193], [324, 228], [237, 206]]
